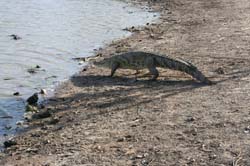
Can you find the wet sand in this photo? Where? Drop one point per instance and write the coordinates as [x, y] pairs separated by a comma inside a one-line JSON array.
[[98, 120]]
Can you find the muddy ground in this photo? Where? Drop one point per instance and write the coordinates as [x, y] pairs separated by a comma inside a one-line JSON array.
[[100, 120]]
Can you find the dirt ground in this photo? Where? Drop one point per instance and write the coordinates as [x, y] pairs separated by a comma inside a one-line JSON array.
[[100, 120]]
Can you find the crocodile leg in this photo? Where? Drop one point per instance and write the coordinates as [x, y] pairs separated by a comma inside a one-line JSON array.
[[114, 67], [136, 73], [152, 68], [154, 72]]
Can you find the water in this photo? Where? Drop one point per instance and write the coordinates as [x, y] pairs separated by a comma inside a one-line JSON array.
[[53, 32]]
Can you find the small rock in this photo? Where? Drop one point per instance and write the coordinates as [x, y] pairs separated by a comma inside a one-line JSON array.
[[16, 94], [190, 119], [130, 152], [46, 142], [38, 67], [132, 158], [32, 150], [15, 37], [120, 140], [139, 156], [9, 143], [35, 135], [28, 116], [42, 106], [54, 120], [247, 130], [19, 123], [145, 155], [144, 162], [58, 128], [41, 114], [220, 70], [44, 128], [32, 71], [33, 99], [43, 92], [30, 108]]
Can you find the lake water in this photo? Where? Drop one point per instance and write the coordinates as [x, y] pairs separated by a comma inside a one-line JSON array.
[[53, 32]]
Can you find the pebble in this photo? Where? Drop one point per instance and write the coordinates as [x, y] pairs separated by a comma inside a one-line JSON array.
[[33, 99], [30, 108], [247, 130], [43, 92], [41, 114], [15, 37], [144, 162], [19, 123], [54, 120], [16, 94], [9, 143], [190, 119], [220, 70]]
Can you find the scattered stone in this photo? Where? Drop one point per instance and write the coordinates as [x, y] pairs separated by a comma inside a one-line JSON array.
[[9, 143], [58, 128], [32, 150], [41, 115], [46, 142], [220, 70], [145, 154], [120, 140], [15, 37], [42, 106], [247, 130], [2, 155], [33, 99], [19, 123], [32, 71], [19, 158], [31, 108], [139, 156], [35, 135], [43, 92], [44, 128], [54, 120], [190, 119], [144, 162], [28, 116], [131, 29], [16, 94], [38, 67]]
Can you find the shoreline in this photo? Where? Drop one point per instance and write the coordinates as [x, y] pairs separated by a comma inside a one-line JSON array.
[[99, 120], [23, 94]]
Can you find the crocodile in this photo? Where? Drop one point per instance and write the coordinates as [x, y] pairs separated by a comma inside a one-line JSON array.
[[141, 60]]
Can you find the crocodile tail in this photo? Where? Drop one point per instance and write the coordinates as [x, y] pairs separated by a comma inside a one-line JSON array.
[[180, 65]]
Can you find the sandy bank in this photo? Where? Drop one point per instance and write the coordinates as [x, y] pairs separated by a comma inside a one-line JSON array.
[[173, 121]]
